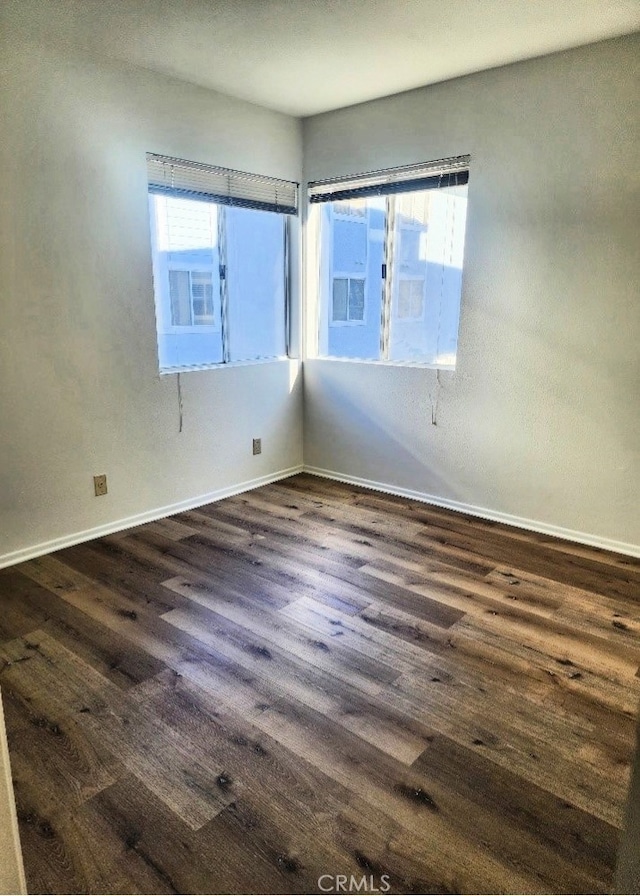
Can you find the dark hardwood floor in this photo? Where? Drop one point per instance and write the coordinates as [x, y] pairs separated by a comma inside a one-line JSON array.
[[312, 679]]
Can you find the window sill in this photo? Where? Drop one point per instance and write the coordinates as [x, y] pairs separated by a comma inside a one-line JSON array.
[[169, 371], [347, 323], [420, 365]]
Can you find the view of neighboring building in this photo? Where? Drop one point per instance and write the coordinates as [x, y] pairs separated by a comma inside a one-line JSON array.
[[416, 240], [212, 261]]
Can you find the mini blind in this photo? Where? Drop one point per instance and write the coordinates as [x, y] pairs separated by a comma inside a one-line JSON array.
[[195, 180], [425, 176]]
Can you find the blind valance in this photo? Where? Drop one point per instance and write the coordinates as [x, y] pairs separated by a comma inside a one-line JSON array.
[[425, 176], [195, 180]]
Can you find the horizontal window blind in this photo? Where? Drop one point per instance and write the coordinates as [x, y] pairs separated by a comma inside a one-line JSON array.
[[426, 176], [195, 180]]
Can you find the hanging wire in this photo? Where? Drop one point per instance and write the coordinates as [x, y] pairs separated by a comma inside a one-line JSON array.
[[434, 404], [180, 408]]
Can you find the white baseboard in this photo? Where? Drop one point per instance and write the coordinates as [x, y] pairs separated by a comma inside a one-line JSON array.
[[56, 544], [66, 541], [595, 541]]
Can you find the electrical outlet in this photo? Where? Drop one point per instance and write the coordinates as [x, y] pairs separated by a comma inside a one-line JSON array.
[[100, 485], [257, 446]]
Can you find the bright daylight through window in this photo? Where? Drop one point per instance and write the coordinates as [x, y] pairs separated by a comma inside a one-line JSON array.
[[219, 241], [390, 253]]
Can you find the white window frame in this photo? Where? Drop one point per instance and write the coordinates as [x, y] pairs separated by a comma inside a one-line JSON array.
[[333, 190], [222, 187]]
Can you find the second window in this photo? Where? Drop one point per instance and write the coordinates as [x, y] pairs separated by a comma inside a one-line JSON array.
[[390, 263]]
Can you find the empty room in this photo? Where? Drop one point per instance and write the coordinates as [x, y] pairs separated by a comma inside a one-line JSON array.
[[319, 446]]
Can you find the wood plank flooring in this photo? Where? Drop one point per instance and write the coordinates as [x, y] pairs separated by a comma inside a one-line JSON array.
[[313, 679]]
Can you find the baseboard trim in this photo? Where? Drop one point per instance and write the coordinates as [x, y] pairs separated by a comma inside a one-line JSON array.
[[594, 541], [149, 516]]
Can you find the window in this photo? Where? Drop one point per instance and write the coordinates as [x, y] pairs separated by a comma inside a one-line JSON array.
[[348, 300], [410, 304], [219, 243], [390, 250], [191, 297]]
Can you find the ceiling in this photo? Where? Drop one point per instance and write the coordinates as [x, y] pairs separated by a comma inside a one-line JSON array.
[[308, 56]]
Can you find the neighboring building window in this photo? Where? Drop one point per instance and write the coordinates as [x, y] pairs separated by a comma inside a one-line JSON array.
[[219, 246], [348, 300], [191, 297], [390, 255], [410, 305], [202, 298]]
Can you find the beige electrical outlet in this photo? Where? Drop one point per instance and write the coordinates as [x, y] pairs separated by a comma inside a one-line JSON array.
[[100, 485]]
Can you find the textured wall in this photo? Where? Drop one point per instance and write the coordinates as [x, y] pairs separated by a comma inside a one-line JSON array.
[[79, 386], [541, 418]]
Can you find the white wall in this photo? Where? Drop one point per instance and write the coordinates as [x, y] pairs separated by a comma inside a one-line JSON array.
[[79, 387], [541, 418]]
